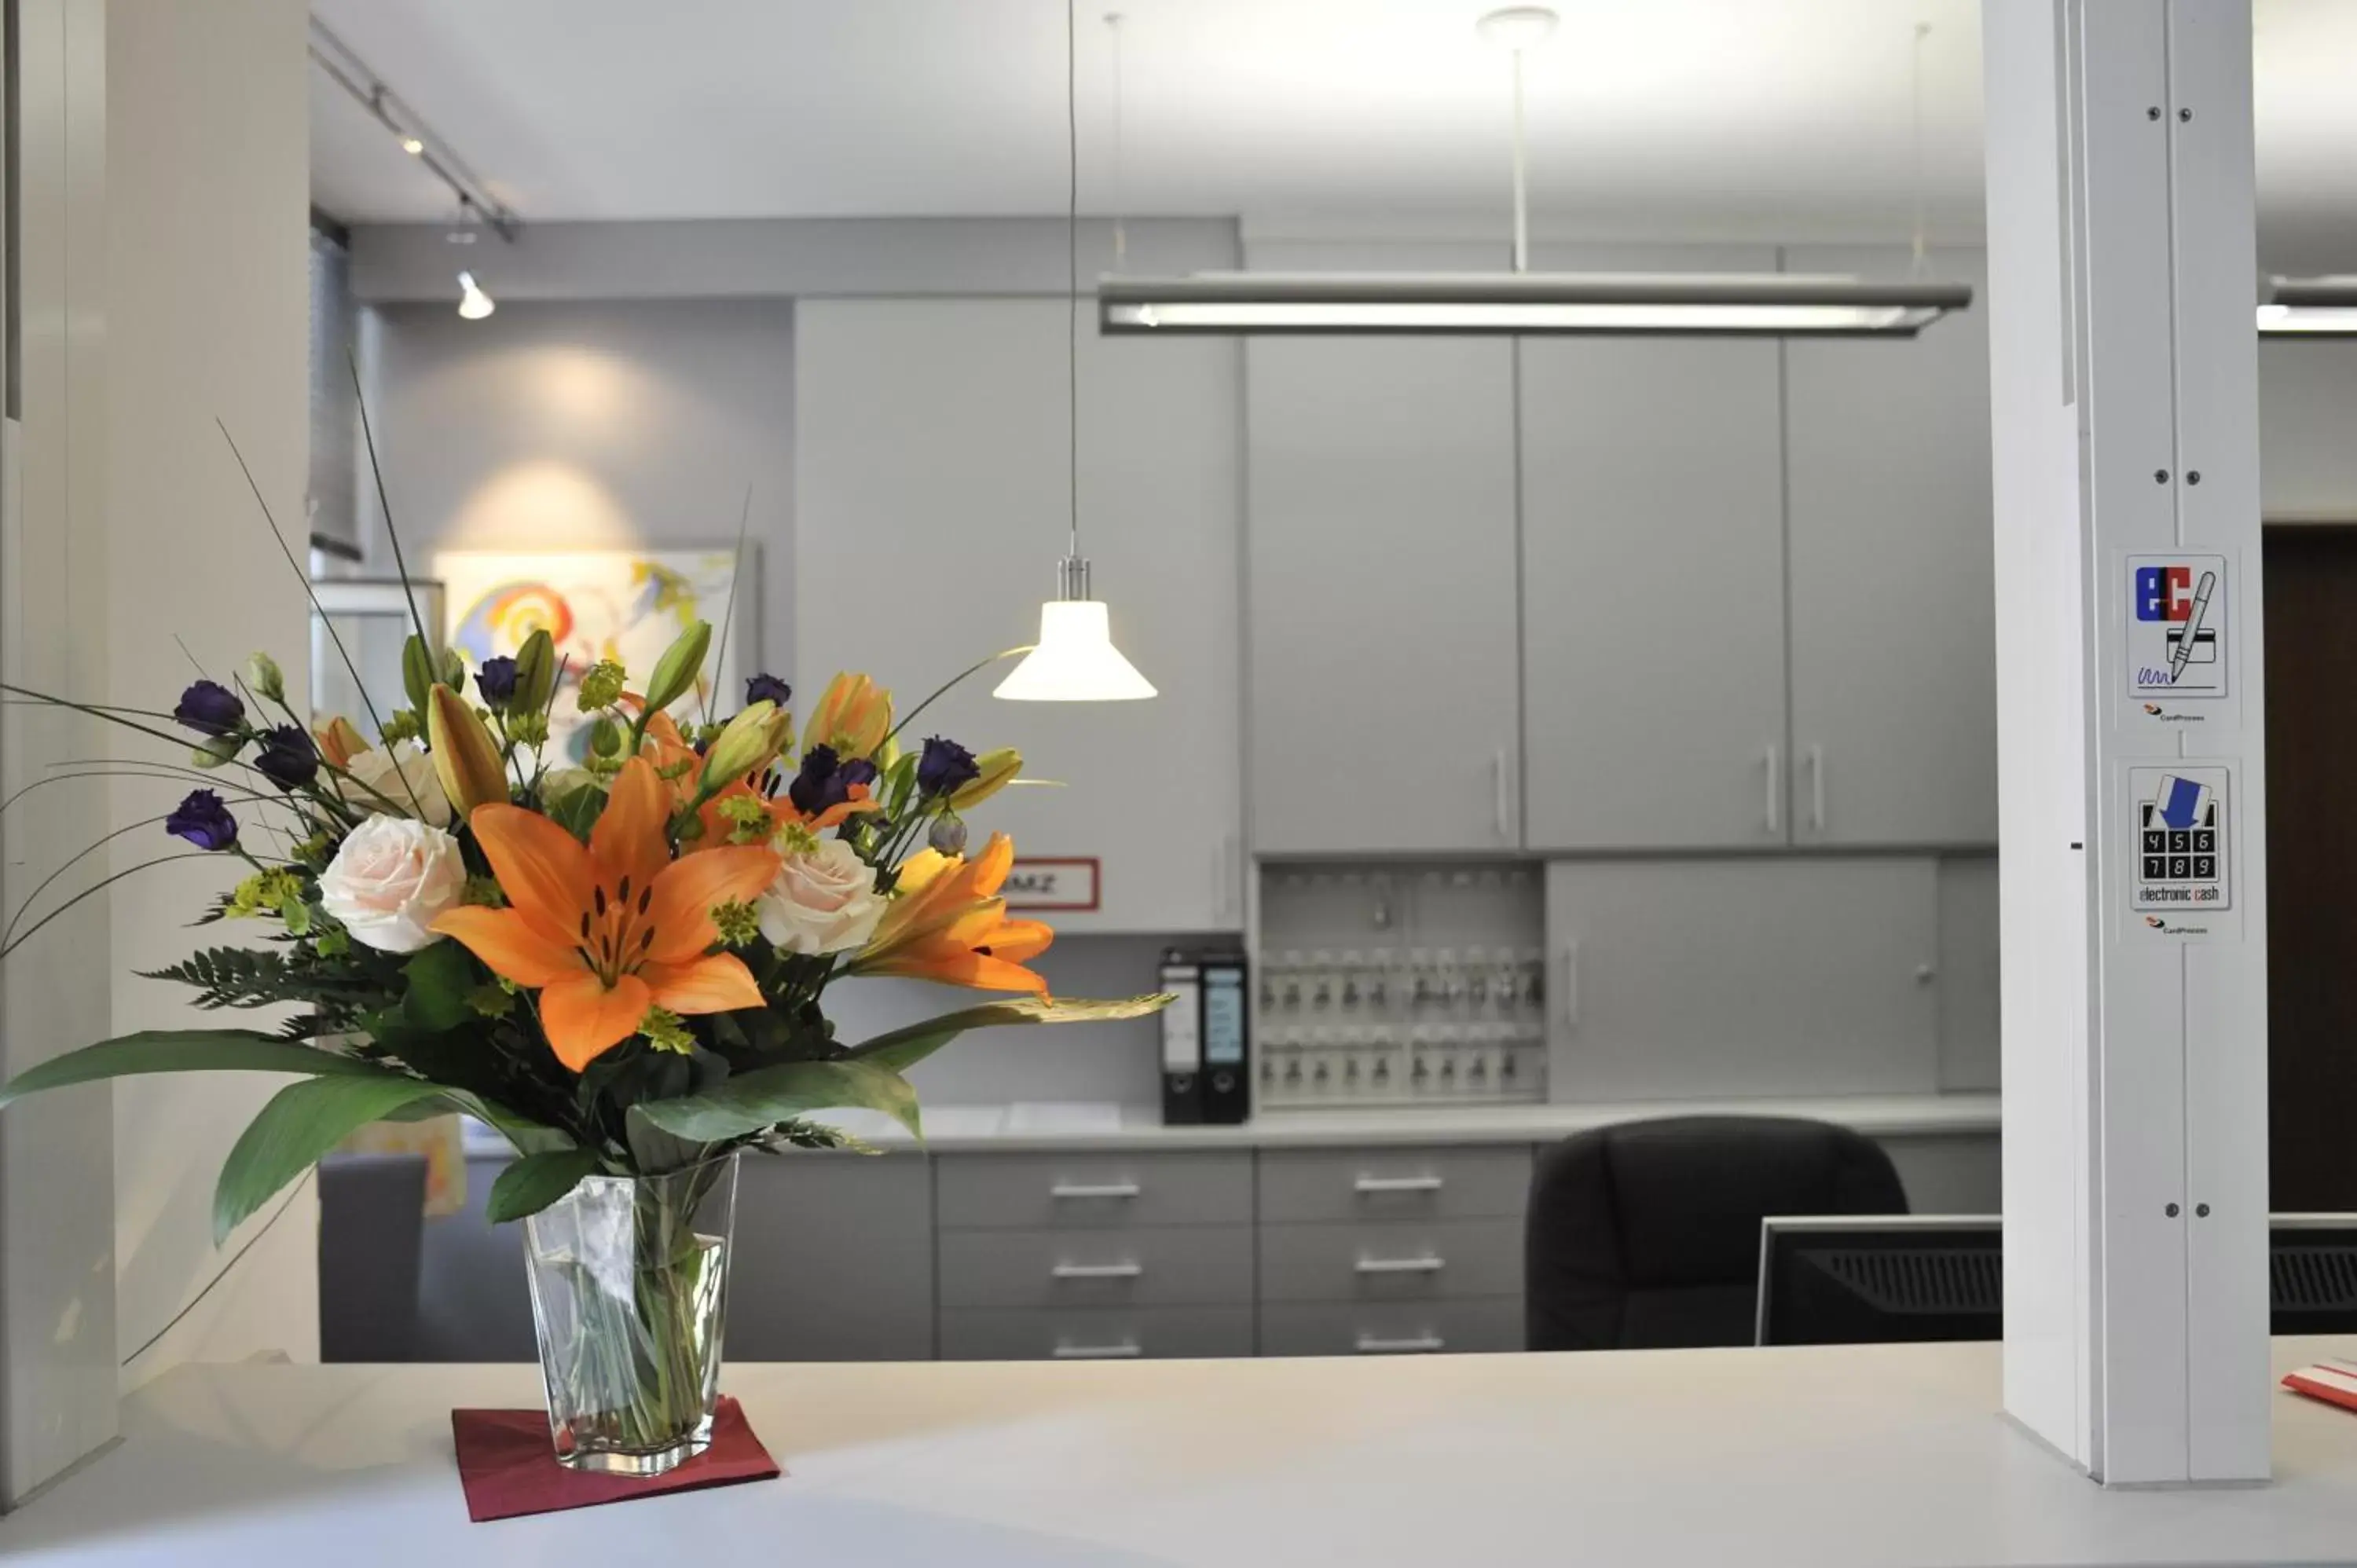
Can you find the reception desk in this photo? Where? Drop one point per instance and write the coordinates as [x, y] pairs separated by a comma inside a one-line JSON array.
[[1883, 1455]]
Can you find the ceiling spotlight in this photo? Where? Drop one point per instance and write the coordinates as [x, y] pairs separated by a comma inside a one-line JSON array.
[[473, 302], [414, 147]]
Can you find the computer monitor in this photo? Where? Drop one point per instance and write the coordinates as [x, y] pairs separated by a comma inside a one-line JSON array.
[[1884, 1278], [1880, 1278]]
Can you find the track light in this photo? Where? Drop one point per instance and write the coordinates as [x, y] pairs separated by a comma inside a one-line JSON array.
[[473, 302]]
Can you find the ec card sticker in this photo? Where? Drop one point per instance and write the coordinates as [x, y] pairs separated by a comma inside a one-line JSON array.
[[2176, 625]]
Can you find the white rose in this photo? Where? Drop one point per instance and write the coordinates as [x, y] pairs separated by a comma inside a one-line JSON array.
[[389, 881], [399, 773], [822, 900]]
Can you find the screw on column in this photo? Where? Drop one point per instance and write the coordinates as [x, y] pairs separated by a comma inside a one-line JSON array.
[[2171, 1211], [2153, 112], [2192, 476], [2200, 1211], [2160, 476], [2183, 114]]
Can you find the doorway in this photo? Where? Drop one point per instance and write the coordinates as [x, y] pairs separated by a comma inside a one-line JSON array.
[[2311, 665]]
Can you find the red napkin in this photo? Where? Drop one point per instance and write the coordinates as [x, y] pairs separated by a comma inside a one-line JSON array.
[[509, 1469]]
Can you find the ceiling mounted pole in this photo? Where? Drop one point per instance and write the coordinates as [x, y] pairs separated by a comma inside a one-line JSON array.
[[1521, 176]]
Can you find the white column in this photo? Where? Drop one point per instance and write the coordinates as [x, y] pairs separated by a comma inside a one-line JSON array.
[[2123, 391]]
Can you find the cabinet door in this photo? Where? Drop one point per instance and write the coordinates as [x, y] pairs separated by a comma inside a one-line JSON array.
[[1696, 979], [1652, 547], [1381, 589], [833, 1259], [932, 506], [1894, 657]]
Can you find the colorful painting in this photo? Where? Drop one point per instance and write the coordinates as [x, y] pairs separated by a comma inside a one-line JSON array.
[[622, 605]]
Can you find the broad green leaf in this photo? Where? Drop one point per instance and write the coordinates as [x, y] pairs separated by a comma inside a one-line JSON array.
[[300, 1123], [187, 1050], [750, 1101], [441, 979], [904, 1049], [534, 1181], [525, 1137]]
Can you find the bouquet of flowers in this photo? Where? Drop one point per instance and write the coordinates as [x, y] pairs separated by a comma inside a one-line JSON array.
[[621, 967]]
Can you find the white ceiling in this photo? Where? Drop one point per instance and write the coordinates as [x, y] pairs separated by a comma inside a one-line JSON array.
[[1646, 116]]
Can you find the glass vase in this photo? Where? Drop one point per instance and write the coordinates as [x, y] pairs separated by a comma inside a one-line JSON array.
[[629, 1289]]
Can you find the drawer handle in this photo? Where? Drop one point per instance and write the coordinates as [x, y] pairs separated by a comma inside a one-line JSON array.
[[1428, 1264], [1421, 1344], [1397, 1184], [1097, 1271], [1114, 1352], [1064, 1189]]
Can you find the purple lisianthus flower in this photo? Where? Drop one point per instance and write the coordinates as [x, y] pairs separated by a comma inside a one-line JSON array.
[[825, 781], [497, 680], [203, 821], [287, 757], [209, 707], [767, 689], [945, 768]]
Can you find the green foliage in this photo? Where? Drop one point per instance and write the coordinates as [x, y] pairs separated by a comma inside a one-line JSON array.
[[750, 1102], [532, 1182], [186, 1050], [300, 1123], [440, 995], [904, 1049], [577, 811], [249, 977], [601, 686]]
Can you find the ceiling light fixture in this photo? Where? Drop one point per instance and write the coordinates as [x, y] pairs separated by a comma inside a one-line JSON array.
[[473, 302], [1524, 303], [1074, 660], [349, 71], [2309, 308]]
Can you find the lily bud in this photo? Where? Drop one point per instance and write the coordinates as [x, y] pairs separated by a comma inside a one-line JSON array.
[[417, 670], [218, 749], [676, 671], [263, 674], [340, 741], [535, 674], [466, 758], [854, 716], [751, 740], [998, 769]]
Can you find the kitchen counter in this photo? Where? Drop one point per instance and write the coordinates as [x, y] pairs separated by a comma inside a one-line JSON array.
[[1885, 1455], [951, 1129]]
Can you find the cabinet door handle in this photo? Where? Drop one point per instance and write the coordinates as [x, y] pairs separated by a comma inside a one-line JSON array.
[[1428, 1264], [1097, 1271], [1397, 1184], [1817, 788], [1073, 1189], [1121, 1349], [1499, 805], [1775, 790], [1571, 982], [1419, 1345]]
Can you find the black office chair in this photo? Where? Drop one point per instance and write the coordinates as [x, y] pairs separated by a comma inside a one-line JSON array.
[[372, 1238], [1646, 1235]]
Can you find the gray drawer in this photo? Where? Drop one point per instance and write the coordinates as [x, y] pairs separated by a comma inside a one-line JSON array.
[[1140, 1266], [1016, 1333], [1459, 1183], [1091, 1191], [1402, 1260], [1391, 1329]]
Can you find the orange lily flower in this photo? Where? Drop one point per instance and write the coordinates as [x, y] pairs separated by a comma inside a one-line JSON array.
[[608, 931], [854, 716], [949, 924]]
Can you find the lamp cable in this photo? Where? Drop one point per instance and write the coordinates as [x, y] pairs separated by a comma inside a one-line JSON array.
[[1073, 265], [1919, 263]]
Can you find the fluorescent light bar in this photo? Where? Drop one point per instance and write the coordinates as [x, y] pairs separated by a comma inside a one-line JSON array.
[[1472, 304], [2317, 308]]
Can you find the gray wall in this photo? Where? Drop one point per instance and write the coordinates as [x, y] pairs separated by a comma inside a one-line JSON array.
[[579, 425]]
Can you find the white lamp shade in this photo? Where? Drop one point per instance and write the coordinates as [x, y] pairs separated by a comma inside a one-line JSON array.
[[473, 302], [1075, 660]]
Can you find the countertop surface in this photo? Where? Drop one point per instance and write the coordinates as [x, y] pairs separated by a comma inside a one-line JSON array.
[[1827, 1456], [951, 1129]]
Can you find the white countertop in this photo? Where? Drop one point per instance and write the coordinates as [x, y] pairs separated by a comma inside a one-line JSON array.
[[1890, 1455], [1015, 1128]]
